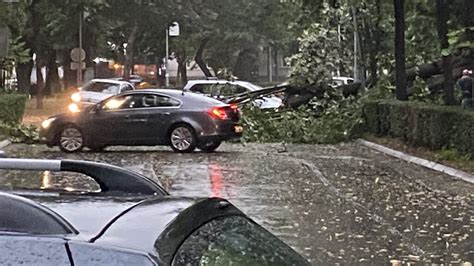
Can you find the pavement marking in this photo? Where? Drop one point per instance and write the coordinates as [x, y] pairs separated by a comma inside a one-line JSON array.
[[419, 161]]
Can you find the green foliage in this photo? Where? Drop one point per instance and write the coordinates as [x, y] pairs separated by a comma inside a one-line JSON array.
[[12, 107], [20, 133], [422, 124], [327, 120], [321, 53]]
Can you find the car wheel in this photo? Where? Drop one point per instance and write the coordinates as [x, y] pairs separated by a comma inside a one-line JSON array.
[[209, 146], [97, 148], [183, 139], [70, 139]]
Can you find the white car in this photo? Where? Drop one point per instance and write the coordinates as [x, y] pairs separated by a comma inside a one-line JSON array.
[[134, 79], [339, 81], [221, 89], [97, 90]]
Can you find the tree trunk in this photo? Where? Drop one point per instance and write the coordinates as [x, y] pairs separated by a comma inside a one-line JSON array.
[[244, 65], [442, 15], [23, 72], [182, 70], [39, 85], [198, 58], [467, 17], [160, 80], [130, 52], [69, 77], [375, 36], [400, 71], [52, 84]]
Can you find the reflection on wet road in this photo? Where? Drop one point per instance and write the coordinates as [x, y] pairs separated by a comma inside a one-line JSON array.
[[334, 204]]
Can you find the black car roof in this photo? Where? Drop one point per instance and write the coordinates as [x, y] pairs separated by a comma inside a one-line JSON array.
[[132, 213]]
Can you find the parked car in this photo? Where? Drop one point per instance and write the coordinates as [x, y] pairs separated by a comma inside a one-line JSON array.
[[224, 89], [134, 79], [97, 90], [130, 220], [146, 117], [339, 81]]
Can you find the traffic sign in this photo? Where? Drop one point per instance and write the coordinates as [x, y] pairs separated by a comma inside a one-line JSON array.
[[78, 65], [174, 29], [78, 54]]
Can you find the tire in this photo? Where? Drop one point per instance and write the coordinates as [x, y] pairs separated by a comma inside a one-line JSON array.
[[183, 139], [70, 139], [210, 146], [97, 148]]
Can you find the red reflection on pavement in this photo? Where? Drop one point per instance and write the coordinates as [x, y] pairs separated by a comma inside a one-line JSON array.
[[217, 180]]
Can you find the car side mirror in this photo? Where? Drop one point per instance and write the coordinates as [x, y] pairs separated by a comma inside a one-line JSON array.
[[97, 108]]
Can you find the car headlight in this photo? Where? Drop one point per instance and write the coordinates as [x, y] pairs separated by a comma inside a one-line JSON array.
[[74, 108], [76, 97], [47, 123]]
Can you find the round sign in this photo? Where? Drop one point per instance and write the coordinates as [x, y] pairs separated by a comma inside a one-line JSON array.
[[78, 54]]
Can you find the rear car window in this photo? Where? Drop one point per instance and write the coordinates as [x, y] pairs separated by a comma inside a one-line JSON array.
[[234, 240]]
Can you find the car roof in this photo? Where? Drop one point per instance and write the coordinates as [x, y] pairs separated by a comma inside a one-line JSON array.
[[247, 84], [179, 94], [109, 81], [342, 78]]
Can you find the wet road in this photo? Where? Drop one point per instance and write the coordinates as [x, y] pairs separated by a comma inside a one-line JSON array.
[[343, 204]]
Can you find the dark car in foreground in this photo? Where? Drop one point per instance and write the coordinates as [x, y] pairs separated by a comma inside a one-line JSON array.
[[146, 117], [128, 220]]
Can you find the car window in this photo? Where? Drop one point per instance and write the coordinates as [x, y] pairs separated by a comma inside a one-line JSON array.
[[234, 240], [152, 100], [122, 102], [202, 88], [102, 87], [126, 87]]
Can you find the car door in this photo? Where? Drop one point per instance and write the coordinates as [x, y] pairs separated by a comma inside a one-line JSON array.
[[119, 120], [159, 110]]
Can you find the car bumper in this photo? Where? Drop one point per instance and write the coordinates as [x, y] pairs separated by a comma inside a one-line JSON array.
[[224, 132], [47, 137]]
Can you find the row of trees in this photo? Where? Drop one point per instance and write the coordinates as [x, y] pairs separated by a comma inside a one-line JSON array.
[[345, 37], [222, 34]]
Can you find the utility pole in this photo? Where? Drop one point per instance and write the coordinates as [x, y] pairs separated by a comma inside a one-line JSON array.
[[167, 75], [356, 43], [79, 69], [270, 64]]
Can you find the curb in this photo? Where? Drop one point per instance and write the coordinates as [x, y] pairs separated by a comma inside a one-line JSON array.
[[419, 161], [4, 143]]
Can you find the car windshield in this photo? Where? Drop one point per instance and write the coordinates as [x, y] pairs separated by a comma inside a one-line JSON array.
[[235, 240], [102, 87]]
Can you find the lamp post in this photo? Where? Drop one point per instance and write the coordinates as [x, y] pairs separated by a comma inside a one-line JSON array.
[[167, 75], [172, 30], [79, 69]]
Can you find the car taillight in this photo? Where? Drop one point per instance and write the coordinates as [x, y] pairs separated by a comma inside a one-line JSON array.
[[219, 113]]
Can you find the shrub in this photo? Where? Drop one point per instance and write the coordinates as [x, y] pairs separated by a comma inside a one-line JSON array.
[[28, 134], [421, 124], [12, 107]]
